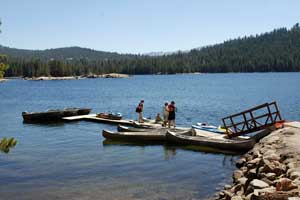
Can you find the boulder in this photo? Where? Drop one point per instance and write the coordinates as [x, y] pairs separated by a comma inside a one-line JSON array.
[[295, 175], [252, 174], [285, 184], [240, 162], [258, 184], [236, 198], [271, 176], [242, 180], [274, 167], [236, 175]]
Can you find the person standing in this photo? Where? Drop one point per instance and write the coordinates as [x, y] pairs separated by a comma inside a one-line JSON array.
[[165, 114], [139, 110], [171, 117]]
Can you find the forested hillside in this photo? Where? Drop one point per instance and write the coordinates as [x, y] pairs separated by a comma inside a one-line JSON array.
[[276, 51]]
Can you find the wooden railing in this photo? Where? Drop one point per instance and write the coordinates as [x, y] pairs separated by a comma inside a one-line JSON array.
[[252, 120]]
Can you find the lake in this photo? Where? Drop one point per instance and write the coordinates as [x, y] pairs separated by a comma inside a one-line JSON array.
[[73, 161]]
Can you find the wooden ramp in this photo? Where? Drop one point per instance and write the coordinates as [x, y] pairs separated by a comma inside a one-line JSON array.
[[252, 120]]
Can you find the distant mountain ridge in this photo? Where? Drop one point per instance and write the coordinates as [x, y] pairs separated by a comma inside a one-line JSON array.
[[275, 51], [61, 53]]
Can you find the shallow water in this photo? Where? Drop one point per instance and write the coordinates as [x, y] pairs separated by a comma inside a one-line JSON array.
[[73, 161]]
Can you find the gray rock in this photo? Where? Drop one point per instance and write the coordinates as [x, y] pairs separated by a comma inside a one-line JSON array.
[[236, 198], [242, 180], [236, 175], [227, 187], [258, 184], [271, 176], [295, 175], [240, 162], [272, 156], [236, 188], [252, 174], [255, 161]]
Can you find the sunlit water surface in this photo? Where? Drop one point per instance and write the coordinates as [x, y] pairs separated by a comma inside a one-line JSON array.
[[73, 161]]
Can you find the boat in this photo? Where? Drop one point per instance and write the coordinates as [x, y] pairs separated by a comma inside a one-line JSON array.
[[84, 111], [68, 112], [213, 140], [51, 115], [122, 128], [110, 115], [158, 135], [146, 125], [210, 128]]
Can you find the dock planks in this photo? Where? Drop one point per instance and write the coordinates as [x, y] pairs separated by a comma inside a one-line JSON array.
[[93, 118]]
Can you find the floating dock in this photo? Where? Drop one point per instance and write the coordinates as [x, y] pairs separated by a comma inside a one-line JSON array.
[[93, 118]]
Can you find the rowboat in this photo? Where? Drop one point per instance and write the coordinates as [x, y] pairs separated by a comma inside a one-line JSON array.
[[84, 111], [158, 135], [133, 129], [113, 116], [210, 128], [53, 115], [213, 140]]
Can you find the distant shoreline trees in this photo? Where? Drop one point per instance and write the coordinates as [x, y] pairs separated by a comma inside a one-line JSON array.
[[3, 62], [276, 51]]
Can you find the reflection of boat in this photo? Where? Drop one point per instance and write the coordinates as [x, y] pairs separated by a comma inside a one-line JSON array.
[[156, 135], [113, 116], [209, 139], [207, 127], [53, 115]]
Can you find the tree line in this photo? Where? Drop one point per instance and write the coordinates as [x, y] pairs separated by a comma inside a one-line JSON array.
[[275, 51]]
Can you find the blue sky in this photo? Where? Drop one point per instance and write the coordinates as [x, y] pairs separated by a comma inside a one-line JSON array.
[[138, 26]]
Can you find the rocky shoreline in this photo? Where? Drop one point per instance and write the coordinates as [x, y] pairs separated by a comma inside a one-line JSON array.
[[2, 80], [48, 78], [270, 171]]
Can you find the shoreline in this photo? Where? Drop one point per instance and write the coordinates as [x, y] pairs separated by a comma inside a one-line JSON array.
[[2, 80], [48, 78], [271, 170]]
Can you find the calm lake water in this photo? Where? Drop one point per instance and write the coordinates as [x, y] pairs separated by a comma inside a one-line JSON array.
[[73, 161]]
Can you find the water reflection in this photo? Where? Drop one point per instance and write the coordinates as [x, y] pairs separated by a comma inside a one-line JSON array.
[[170, 149]]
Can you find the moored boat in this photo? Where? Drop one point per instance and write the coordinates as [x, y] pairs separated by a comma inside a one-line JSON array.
[[133, 129], [113, 116], [51, 115], [210, 128], [84, 111], [68, 112], [209, 139], [150, 136]]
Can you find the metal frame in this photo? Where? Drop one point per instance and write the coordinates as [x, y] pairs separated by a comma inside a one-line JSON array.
[[250, 121]]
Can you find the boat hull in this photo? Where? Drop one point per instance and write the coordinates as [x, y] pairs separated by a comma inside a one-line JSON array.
[[53, 115], [152, 136], [189, 138], [132, 129]]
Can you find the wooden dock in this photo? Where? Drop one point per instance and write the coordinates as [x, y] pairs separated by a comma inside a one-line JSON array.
[[93, 118]]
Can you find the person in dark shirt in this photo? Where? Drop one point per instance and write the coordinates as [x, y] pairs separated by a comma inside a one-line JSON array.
[[139, 110], [171, 118]]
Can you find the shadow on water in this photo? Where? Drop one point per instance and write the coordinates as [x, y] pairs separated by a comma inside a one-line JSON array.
[[171, 147], [48, 123]]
